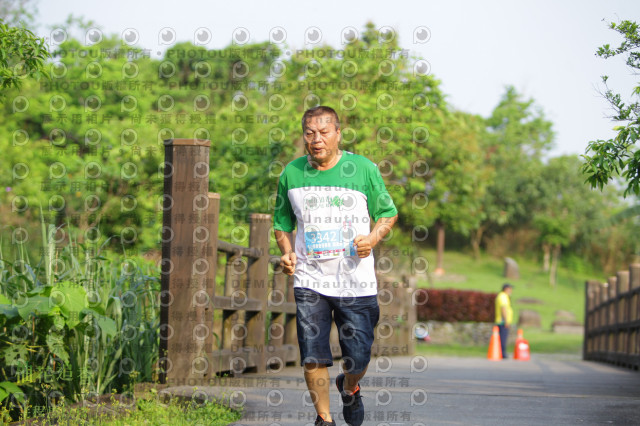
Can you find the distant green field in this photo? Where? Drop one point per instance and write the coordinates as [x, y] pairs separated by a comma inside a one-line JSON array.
[[485, 274]]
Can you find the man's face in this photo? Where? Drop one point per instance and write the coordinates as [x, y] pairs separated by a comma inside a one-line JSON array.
[[321, 138]]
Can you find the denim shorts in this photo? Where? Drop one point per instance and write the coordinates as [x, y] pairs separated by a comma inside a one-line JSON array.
[[355, 318]]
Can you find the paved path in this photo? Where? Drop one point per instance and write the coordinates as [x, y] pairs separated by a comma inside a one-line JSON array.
[[418, 391]]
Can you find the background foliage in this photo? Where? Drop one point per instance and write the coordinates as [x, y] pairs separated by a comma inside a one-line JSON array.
[[83, 153]]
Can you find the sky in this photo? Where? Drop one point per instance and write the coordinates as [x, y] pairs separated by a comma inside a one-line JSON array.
[[545, 49]]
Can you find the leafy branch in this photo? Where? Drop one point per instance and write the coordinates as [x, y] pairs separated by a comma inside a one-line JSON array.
[[606, 159], [22, 55]]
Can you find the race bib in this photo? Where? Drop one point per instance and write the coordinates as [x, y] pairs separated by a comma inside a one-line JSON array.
[[327, 243]]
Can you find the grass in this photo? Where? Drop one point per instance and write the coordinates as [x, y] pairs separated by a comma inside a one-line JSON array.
[[485, 274], [540, 342], [151, 411]]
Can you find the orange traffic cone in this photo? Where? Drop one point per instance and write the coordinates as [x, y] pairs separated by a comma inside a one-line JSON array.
[[495, 350], [521, 351]]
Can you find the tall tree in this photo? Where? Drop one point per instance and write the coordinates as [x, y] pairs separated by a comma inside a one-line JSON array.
[[517, 135], [458, 178], [565, 209]]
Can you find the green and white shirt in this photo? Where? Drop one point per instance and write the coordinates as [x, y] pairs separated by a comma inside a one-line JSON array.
[[331, 207]]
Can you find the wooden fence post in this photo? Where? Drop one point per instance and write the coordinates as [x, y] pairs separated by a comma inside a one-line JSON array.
[[278, 297], [588, 347], [212, 341], [234, 286], [610, 294], [612, 319], [185, 264], [258, 287], [634, 309], [290, 327], [621, 309], [634, 283]]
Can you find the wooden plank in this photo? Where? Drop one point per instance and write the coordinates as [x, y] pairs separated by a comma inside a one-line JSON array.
[[285, 307], [237, 361], [237, 303], [227, 247], [278, 356]]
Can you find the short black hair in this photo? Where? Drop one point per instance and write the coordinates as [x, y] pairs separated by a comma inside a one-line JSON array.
[[506, 286], [320, 110]]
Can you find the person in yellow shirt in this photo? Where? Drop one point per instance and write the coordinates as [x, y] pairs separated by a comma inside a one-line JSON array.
[[504, 316]]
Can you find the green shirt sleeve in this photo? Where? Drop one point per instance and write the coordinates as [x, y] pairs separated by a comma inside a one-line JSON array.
[[284, 219], [379, 201]]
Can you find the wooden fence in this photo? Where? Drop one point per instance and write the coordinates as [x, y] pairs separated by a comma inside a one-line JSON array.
[[250, 325], [612, 319]]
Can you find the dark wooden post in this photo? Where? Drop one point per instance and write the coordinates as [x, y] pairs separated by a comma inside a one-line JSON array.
[[622, 287], [610, 294], [597, 315], [185, 265], [621, 308], [234, 288], [290, 328], [634, 312], [212, 342], [634, 283], [591, 287], [258, 287], [277, 299]]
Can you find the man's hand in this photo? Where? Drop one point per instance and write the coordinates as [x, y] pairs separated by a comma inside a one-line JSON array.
[[363, 245], [288, 263]]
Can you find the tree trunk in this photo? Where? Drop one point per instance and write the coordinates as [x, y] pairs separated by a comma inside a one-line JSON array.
[[546, 250], [554, 265], [476, 239], [440, 251]]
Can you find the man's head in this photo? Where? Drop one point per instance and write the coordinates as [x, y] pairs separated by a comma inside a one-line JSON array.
[[321, 131], [318, 111], [506, 287]]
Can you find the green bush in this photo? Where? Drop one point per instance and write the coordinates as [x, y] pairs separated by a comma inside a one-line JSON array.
[[74, 325]]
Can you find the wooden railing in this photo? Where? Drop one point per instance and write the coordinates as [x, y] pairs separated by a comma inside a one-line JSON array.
[[612, 319], [250, 325]]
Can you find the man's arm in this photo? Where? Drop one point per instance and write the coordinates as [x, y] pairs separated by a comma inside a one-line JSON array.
[[365, 243], [288, 258], [504, 315]]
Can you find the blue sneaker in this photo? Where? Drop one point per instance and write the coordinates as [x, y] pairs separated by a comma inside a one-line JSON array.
[[352, 408]]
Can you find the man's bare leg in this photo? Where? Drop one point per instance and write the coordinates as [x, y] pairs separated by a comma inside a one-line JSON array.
[[317, 378], [351, 380]]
